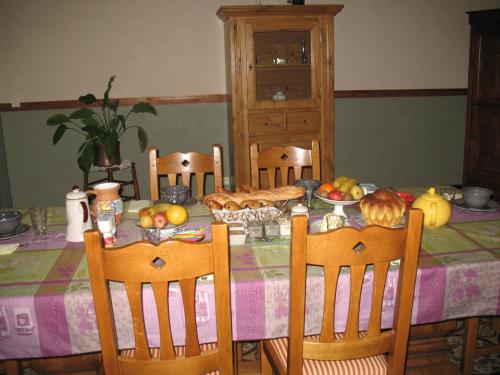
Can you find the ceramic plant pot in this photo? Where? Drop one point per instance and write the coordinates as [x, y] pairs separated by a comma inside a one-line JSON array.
[[102, 160]]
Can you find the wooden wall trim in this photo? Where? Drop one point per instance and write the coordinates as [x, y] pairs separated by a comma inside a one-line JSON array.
[[222, 98], [62, 104], [350, 94]]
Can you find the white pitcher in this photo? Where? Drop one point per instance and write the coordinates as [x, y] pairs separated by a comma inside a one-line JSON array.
[[77, 215]]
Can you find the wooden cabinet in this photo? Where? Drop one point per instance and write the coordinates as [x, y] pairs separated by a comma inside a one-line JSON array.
[[482, 140], [279, 61]]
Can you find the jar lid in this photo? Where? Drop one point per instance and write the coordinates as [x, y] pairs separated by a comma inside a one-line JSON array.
[[300, 209], [76, 193]]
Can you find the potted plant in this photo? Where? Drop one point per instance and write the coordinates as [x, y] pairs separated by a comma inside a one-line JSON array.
[[102, 129]]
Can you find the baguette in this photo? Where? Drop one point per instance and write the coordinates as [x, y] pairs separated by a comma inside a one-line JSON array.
[[278, 194]]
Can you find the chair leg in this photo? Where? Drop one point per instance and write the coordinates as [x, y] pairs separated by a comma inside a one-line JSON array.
[[13, 367], [469, 344], [265, 366]]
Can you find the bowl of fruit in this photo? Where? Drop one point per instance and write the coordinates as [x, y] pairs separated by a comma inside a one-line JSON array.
[[161, 221], [343, 191]]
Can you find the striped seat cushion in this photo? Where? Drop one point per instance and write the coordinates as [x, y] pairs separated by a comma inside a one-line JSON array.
[[372, 365], [179, 352]]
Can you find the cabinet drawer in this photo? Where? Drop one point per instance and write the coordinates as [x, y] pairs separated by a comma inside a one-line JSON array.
[[303, 122], [270, 123]]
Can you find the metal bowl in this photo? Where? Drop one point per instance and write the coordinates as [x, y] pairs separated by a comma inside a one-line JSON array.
[[174, 194], [309, 185], [9, 221], [475, 196]]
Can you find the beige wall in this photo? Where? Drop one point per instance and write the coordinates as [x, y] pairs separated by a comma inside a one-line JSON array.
[[60, 49]]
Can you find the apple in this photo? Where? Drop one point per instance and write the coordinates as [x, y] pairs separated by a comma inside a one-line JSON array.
[[160, 220], [323, 193], [144, 211], [146, 221], [348, 197], [357, 192], [335, 195]]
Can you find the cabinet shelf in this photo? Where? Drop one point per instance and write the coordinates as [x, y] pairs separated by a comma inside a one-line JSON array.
[[281, 66]]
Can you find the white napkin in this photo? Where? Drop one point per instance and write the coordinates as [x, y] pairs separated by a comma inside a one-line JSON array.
[[8, 248], [137, 205]]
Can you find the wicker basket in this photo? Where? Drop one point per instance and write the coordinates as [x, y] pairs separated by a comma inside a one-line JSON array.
[[249, 215]]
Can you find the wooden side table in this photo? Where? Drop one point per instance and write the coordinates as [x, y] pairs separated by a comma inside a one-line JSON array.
[[126, 164]]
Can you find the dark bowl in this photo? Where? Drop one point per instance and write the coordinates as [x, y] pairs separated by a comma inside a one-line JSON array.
[[174, 194], [9, 221], [475, 196]]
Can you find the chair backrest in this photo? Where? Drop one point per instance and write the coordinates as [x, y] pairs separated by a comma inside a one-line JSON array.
[[349, 247], [143, 263], [184, 164], [283, 158]]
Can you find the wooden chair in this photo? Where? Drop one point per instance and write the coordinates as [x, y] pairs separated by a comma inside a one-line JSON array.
[[352, 352], [184, 164], [283, 158], [171, 260]]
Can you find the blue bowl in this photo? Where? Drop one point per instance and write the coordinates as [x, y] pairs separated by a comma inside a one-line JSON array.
[[9, 221], [174, 194]]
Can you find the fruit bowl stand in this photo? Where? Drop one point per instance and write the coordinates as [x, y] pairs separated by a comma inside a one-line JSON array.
[[338, 206]]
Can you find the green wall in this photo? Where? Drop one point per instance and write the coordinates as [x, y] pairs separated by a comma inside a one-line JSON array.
[[388, 141], [401, 141]]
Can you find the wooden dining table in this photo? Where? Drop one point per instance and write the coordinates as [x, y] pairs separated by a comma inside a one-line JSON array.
[[46, 306]]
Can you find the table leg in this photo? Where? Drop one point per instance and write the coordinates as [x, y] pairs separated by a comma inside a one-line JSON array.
[[469, 344]]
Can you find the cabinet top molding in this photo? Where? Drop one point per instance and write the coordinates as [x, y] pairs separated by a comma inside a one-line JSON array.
[[226, 12]]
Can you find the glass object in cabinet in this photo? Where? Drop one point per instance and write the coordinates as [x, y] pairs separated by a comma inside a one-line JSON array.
[[282, 64]]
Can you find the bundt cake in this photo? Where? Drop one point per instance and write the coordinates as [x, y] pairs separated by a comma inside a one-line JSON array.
[[382, 207]]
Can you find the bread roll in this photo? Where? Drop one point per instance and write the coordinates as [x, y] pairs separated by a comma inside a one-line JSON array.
[[278, 194], [382, 207]]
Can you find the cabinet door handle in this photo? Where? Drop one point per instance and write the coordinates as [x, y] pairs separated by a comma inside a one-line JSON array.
[[304, 121], [250, 67], [265, 124]]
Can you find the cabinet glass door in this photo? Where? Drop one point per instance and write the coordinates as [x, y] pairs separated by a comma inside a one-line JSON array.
[[281, 64]]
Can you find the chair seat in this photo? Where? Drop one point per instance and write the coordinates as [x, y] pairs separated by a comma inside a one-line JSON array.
[[371, 365], [180, 351]]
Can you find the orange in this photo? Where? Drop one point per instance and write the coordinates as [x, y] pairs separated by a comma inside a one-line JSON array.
[[326, 186], [177, 214]]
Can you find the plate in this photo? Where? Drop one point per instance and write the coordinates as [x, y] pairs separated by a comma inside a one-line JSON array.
[[338, 205], [331, 201], [20, 230], [459, 203], [359, 219]]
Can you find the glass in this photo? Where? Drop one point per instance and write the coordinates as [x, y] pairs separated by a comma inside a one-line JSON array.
[[447, 192], [282, 65], [39, 220]]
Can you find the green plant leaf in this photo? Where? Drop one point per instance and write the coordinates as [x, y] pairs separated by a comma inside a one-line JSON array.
[[86, 157], [114, 123], [110, 141], [143, 138], [59, 133], [82, 113], [93, 132], [87, 99], [122, 121], [143, 107], [105, 101], [57, 119], [114, 105], [91, 122]]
